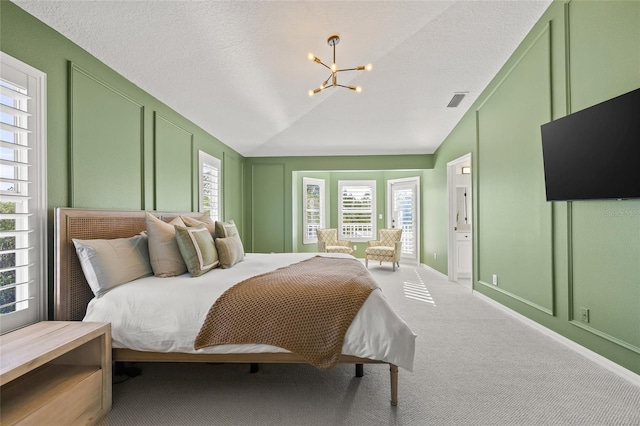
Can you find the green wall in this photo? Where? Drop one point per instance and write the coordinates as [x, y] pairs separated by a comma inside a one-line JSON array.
[[109, 143], [331, 203], [551, 258], [273, 183]]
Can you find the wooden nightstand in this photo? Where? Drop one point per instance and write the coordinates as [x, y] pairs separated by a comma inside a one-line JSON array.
[[55, 372]]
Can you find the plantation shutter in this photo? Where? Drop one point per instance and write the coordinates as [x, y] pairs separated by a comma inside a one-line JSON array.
[[22, 194], [314, 217], [357, 210], [210, 179]]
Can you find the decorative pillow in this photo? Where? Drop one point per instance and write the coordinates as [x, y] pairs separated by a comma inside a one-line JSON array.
[[203, 220], [226, 229], [197, 249], [230, 251], [109, 263], [164, 253]]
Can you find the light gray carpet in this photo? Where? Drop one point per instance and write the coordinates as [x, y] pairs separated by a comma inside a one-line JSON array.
[[474, 365]]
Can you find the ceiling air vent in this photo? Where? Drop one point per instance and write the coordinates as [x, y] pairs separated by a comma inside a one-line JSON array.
[[457, 98]]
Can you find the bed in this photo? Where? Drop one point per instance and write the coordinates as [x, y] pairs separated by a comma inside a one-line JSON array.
[[377, 334]]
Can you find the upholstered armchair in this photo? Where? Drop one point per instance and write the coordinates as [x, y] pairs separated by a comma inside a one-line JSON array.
[[328, 242], [386, 248]]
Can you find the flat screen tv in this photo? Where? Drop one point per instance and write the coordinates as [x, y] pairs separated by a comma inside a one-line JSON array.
[[594, 153]]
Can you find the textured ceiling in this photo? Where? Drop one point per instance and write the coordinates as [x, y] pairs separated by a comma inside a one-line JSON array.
[[239, 69]]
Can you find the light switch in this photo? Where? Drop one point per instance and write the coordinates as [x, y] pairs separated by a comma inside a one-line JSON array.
[[380, 216]]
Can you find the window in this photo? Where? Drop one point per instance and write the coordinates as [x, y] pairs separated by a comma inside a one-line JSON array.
[[23, 279], [314, 217], [210, 184], [357, 210]]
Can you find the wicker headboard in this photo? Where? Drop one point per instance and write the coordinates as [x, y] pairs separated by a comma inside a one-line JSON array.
[[71, 291]]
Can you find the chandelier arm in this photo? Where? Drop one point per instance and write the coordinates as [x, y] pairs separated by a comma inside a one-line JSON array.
[[348, 69], [325, 65], [341, 85]]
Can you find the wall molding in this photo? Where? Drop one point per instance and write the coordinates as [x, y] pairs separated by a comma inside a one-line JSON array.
[[156, 116], [73, 68], [587, 353], [516, 297], [544, 31]]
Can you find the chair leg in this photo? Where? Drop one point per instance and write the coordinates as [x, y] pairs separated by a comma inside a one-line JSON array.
[[366, 262]]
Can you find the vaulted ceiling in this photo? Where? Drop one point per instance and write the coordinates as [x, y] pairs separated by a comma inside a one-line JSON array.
[[239, 69]]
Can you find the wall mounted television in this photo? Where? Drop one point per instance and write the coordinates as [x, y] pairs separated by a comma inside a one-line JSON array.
[[594, 153]]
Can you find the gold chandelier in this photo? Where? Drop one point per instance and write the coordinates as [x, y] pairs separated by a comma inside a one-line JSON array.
[[332, 41]]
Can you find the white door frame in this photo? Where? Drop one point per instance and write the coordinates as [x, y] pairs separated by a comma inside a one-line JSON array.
[[451, 203], [389, 201]]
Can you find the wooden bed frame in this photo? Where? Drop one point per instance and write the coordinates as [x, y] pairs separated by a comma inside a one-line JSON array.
[[72, 294]]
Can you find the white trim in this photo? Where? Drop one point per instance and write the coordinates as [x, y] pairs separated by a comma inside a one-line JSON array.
[[587, 353], [451, 206], [414, 180]]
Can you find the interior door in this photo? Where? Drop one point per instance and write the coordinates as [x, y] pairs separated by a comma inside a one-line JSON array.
[[403, 207]]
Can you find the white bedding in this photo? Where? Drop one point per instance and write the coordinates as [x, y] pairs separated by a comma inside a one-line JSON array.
[[165, 314]]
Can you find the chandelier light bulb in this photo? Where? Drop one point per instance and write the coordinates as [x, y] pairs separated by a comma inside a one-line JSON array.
[[332, 80]]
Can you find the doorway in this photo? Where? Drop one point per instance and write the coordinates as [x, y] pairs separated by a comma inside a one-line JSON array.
[[403, 211], [460, 236]]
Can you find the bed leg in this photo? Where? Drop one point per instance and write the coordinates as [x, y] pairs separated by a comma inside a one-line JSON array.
[[359, 370], [393, 369], [254, 367]]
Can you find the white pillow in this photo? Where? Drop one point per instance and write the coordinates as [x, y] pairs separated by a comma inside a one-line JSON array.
[[109, 263]]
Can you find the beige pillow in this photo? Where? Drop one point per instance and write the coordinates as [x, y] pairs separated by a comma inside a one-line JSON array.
[[164, 252], [230, 251], [197, 249], [109, 263], [229, 229], [203, 220]]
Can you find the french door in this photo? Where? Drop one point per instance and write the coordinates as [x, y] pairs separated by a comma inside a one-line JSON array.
[[403, 211]]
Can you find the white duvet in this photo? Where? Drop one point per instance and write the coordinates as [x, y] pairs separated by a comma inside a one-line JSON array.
[[165, 314]]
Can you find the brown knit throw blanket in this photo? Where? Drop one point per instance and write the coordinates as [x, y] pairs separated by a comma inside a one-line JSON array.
[[305, 308]]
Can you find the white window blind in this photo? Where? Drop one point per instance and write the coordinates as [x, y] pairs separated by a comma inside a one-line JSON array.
[[357, 210], [22, 194], [314, 211], [210, 185]]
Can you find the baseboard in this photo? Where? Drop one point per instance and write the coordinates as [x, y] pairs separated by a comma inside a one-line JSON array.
[[587, 353], [435, 271]]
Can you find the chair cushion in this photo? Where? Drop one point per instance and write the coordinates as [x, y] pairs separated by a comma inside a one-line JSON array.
[[380, 251], [339, 249]]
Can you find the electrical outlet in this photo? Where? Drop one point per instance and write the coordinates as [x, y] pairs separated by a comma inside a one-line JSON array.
[[495, 279], [355, 248], [584, 315], [435, 256]]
